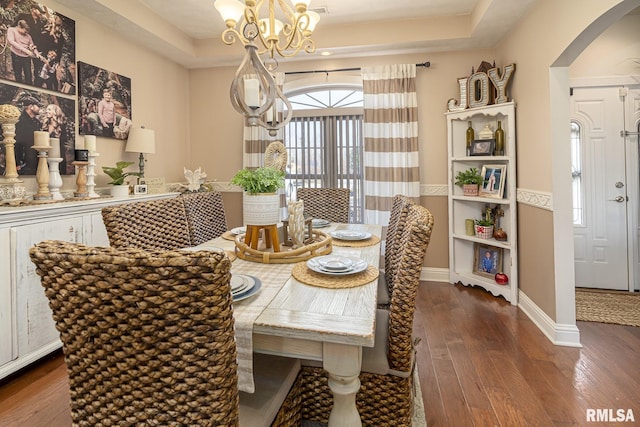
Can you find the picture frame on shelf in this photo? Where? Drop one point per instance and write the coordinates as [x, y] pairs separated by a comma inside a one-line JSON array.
[[482, 147], [487, 260], [140, 189], [494, 178]]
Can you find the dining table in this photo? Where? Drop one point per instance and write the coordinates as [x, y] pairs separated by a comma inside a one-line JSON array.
[[313, 321]]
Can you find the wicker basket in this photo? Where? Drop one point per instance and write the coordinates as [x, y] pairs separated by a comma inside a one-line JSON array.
[[321, 245], [484, 232]]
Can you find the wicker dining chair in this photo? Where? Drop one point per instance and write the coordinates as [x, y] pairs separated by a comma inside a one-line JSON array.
[[148, 338], [392, 249], [331, 204], [205, 215], [150, 225], [386, 396]]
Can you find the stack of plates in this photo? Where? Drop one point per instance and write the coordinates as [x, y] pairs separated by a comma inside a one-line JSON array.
[[337, 265], [244, 286], [350, 235], [320, 223]]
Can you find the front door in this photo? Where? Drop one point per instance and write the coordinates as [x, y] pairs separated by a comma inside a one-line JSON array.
[[600, 188]]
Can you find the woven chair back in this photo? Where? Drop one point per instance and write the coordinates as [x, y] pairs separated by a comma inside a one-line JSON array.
[[331, 204], [413, 243], [205, 215], [392, 249], [150, 225], [147, 336]]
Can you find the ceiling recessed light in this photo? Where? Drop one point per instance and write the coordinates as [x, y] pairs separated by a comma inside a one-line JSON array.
[[325, 53]]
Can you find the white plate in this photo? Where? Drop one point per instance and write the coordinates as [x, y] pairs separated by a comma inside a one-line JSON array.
[[336, 263], [242, 283], [238, 230], [350, 235], [315, 264], [255, 286], [320, 223]]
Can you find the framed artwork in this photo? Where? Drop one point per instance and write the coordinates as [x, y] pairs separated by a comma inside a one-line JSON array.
[[494, 177], [39, 111], [39, 46], [482, 147], [487, 260], [104, 102]]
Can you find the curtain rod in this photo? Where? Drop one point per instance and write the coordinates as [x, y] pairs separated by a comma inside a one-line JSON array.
[[425, 64]]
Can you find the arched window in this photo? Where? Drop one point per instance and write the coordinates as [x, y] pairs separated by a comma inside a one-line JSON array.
[[325, 143], [576, 173]]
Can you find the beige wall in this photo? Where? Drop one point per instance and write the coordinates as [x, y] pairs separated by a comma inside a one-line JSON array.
[[535, 152], [160, 99]]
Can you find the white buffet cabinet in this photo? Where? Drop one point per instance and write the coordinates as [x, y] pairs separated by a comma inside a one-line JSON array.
[[27, 330]]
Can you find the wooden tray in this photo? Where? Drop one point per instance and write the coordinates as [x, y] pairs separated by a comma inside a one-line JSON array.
[[321, 245]]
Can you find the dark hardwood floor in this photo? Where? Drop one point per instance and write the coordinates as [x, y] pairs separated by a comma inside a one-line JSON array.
[[481, 361]]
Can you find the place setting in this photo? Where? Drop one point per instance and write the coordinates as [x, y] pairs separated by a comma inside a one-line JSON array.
[[244, 286], [353, 238], [334, 271], [320, 223]]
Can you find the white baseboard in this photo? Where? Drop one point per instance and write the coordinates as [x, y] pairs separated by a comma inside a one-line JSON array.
[[559, 334], [435, 274]]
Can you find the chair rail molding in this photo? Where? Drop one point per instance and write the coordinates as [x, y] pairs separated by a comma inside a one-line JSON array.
[[433, 190], [538, 199]]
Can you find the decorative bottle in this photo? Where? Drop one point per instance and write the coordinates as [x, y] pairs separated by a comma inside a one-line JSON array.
[[470, 138], [499, 140]]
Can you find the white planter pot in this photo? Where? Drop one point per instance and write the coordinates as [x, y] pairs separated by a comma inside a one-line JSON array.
[[261, 209], [120, 190]]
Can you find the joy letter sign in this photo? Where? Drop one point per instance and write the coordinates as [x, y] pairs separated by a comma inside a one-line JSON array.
[[475, 89]]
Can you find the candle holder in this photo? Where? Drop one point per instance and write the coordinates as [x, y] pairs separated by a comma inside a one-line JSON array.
[[12, 189], [91, 174], [55, 180], [81, 179], [42, 174]]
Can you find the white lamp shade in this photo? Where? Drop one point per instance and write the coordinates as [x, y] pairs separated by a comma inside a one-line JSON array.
[[268, 31], [314, 18], [230, 10], [141, 140]]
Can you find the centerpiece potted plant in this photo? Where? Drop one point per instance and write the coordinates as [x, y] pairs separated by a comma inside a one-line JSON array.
[[260, 203], [117, 174], [469, 180]]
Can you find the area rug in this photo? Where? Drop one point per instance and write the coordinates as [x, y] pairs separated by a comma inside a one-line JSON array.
[[622, 308], [419, 418]]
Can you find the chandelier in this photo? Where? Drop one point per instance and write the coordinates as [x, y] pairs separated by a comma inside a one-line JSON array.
[[275, 36]]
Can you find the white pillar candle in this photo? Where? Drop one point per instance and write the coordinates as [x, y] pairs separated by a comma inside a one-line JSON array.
[[252, 92], [90, 143], [40, 138], [55, 148]]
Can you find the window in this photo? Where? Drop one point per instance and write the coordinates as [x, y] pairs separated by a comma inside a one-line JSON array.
[[576, 173], [325, 144]]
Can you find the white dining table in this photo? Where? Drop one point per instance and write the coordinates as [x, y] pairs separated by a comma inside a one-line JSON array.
[[303, 321]]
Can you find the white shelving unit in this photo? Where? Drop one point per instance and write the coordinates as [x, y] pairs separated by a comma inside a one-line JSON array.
[[463, 249]]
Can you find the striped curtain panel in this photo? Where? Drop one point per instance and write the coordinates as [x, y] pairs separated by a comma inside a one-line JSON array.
[[390, 138], [256, 140]]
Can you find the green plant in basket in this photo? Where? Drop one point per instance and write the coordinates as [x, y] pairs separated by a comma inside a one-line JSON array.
[[260, 180], [469, 176], [483, 222], [118, 174]]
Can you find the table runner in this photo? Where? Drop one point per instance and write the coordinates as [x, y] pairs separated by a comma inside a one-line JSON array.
[[246, 311]]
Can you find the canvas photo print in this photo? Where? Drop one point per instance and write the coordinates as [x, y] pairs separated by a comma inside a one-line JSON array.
[[39, 46], [104, 104], [40, 111]]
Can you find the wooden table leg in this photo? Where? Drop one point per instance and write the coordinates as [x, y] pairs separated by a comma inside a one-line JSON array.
[[343, 363]]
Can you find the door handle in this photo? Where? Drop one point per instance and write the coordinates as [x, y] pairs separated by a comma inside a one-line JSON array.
[[619, 199]]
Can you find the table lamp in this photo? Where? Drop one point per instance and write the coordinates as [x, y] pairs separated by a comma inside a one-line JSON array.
[[143, 141]]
